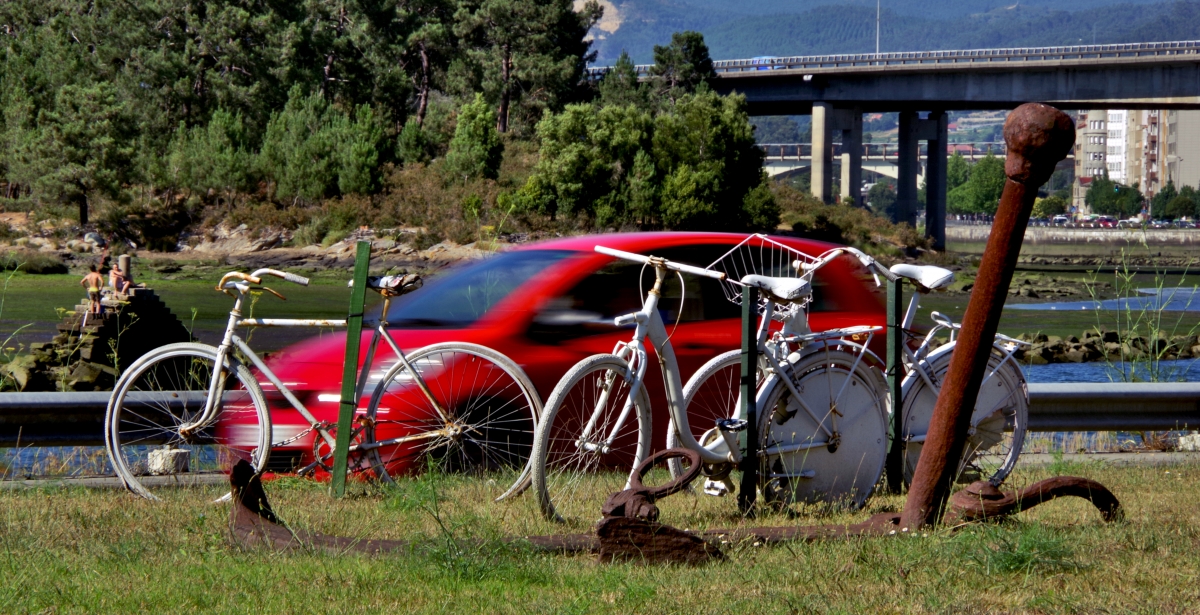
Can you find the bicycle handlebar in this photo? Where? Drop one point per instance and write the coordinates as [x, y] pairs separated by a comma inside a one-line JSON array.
[[655, 261], [871, 264], [290, 277], [256, 277]]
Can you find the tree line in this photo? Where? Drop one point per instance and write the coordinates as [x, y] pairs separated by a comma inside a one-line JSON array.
[[157, 105]]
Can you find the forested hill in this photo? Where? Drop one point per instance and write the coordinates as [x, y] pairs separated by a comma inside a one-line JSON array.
[[772, 27]]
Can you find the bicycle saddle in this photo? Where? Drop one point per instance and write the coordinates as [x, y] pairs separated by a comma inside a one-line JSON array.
[[394, 285], [925, 276], [782, 289]]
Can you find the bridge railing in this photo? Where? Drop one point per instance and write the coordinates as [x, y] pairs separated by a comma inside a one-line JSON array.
[[876, 151], [952, 57]]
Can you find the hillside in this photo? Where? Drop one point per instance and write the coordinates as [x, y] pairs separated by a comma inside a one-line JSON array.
[[772, 27]]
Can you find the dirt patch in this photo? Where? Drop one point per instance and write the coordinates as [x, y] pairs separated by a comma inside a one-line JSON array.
[[16, 219]]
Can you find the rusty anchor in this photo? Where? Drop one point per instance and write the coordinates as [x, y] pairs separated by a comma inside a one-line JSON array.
[[982, 501], [1038, 137], [630, 527]]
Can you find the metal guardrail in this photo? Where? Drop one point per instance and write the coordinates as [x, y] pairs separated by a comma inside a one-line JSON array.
[[77, 419], [961, 57], [1114, 406], [62, 419]]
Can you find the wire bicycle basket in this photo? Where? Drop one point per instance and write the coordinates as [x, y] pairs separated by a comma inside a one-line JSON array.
[[760, 255]]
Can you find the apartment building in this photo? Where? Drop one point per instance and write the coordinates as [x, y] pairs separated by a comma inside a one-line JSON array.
[[1091, 154], [1182, 151]]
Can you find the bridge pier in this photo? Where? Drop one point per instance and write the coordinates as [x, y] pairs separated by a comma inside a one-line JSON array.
[[828, 125], [912, 131]]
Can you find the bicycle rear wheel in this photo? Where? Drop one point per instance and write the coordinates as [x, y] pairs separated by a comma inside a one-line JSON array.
[[1002, 405], [584, 449], [167, 389], [481, 417], [828, 445]]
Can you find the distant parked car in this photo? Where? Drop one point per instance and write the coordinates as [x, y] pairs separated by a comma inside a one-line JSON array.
[[1106, 222], [1185, 223], [1130, 223], [1160, 224], [1062, 221]]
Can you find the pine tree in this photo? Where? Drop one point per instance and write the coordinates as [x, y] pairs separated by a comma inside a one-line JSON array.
[[82, 147], [683, 65], [620, 85], [523, 54], [359, 141], [475, 150], [298, 147]]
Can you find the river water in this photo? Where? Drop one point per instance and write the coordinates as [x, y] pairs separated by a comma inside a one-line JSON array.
[[1184, 370]]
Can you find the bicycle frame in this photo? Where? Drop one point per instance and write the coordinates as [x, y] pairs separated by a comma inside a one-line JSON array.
[[916, 358], [231, 340], [649, 324]]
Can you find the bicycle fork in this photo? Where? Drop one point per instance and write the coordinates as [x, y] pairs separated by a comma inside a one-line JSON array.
[[635, 357]]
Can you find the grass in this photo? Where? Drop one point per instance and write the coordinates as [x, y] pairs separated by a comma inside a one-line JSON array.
[[73, 550]]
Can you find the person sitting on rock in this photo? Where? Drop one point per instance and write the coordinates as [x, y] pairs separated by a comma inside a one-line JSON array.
[[119, 280], [93, 282]]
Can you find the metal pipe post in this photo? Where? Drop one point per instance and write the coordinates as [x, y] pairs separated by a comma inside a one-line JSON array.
[[748, 492], [894, 466], [358, 298], [1038, 136]]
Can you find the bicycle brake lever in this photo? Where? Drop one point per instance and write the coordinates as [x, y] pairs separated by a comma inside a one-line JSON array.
[[273, 293]]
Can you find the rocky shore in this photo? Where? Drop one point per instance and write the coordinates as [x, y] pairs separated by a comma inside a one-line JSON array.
[[1105, 346]]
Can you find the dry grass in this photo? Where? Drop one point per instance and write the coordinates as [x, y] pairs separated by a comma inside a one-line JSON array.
[[68, 550]]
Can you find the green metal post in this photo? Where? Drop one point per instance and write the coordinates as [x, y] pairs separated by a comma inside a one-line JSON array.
[[358, 297], [749, 385], [894, 466]]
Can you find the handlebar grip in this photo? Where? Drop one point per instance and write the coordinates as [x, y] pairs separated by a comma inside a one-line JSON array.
[[629, 256], [295, 279], [708, 273], [290, 277]]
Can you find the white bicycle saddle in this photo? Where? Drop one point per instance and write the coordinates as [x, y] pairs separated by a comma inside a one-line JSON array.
[[783, 289], [926, 276]]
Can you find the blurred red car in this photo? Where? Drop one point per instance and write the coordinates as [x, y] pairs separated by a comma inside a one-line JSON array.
[[549, 305]]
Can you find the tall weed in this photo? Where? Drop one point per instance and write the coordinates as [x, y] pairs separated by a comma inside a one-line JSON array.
[[1148, 331]]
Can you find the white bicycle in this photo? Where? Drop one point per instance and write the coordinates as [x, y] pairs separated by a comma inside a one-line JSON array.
[[1001, 414], [181, 415], [998, 422], [822, 410]]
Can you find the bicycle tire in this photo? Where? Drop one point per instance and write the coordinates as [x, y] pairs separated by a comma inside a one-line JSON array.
[[167, 388], [571, 484], [827, 377], [987, 450], [492, 407]]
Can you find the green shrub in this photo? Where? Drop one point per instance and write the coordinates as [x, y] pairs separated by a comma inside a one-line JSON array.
[[844, 224]]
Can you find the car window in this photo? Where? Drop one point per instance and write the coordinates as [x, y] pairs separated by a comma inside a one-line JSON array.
[[613, 290], [460, 297]]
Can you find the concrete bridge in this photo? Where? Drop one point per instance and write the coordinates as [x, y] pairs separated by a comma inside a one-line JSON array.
[[923, 85], [881, 158]]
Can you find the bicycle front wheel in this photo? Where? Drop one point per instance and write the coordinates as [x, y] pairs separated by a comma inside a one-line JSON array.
[[165, 391], [1002, 406], [829, 443], [462, 408], [591, 436]]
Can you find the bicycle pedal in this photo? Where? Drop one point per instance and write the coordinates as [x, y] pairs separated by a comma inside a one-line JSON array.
[[732, 425], [717, 488]]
